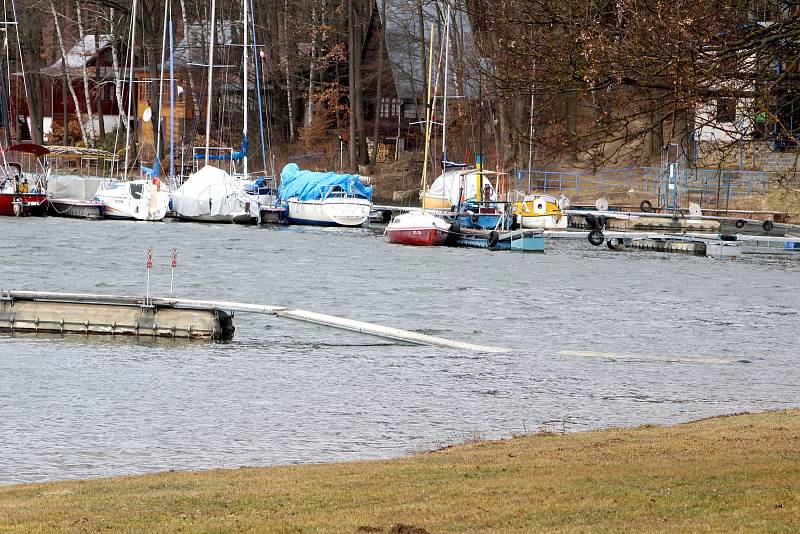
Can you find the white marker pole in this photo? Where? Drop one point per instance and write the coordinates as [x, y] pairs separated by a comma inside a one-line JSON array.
[[174, 264], [149, 266]]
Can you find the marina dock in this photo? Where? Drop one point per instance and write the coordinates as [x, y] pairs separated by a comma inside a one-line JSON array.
[[100, 314]]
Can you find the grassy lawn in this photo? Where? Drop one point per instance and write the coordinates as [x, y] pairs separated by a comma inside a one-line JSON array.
[[737, 473]]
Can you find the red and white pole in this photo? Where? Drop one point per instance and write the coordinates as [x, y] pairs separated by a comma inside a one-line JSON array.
[[149, 266], [174, 264]]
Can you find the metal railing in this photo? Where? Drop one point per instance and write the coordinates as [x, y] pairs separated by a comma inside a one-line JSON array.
[[695, 184]]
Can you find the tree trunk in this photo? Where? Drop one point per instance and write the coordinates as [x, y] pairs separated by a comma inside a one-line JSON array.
[[116, 69], [379, 86], [361, 127], [311, 68], [192, 85], [87, 94], [65, 72], [31, 44], [351, 79], [99, 88], [289, 89]]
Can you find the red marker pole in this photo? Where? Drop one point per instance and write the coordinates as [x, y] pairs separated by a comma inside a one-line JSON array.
[[149, 266], [174, 264]]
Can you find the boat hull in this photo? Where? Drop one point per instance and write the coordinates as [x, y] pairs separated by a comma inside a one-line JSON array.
[[78, 209], [235, 218], [345, 211], [23, 204], [418, 236]]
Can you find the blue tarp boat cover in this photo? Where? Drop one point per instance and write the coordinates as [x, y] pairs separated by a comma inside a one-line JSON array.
[[311, 185]]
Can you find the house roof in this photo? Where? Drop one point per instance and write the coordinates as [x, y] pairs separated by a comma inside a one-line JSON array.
[[192, 50], [80, 54], [403, 35]]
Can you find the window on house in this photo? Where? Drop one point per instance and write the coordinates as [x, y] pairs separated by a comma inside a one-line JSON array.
[[726, 110], [144, 91], [390, 108]]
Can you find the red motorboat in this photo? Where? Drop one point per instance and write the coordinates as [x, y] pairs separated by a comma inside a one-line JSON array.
[[421, 228], [21, 194]]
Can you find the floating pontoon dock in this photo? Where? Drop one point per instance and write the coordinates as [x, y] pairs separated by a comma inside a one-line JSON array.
[[86, 313]]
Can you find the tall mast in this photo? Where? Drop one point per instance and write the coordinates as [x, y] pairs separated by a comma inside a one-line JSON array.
[[157, 162], [210, 75], [428, 119], [130, 91], [444, 106], [171, 102], [245, 31]]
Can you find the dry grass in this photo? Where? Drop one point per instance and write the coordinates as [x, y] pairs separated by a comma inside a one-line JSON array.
[[739, 473]]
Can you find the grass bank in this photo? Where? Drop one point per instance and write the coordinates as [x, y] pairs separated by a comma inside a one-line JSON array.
[[737, 473]]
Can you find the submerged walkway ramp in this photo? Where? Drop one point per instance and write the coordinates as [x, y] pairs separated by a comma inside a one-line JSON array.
[[361, 327]]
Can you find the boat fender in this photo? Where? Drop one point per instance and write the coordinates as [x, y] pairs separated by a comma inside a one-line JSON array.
[[646, 206], [725, 237], [591, 221], [739, 223], [767, 226], [455, 228], [493, 237], [596, 237]]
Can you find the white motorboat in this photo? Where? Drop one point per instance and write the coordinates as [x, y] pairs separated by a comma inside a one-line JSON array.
[[142, 200], [336, 209], [324, 198]]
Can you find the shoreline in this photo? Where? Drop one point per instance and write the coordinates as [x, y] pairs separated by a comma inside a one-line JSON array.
[[725, 472]]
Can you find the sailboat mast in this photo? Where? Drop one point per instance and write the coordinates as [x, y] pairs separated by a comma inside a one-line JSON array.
[[210, 75], [245, 31], [444, 106], [428, 120], [157, 162], [130, 91], [171, 102]]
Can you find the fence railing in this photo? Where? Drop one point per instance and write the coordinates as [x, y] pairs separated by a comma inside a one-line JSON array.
[[699, 185]]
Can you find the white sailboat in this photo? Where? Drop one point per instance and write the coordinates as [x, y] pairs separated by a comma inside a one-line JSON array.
[[422, 227], [141, 199], [212, 194]]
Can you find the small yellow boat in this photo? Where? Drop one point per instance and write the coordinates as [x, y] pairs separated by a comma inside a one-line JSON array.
[[542, 211]]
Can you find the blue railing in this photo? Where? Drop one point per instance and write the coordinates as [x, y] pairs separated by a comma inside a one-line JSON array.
[[693, 184]]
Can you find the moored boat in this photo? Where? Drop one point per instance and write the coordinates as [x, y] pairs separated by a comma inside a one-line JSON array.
[[141, 200], [212, 195], [421, 228], [22, 193], [542, 211], [324, 198]]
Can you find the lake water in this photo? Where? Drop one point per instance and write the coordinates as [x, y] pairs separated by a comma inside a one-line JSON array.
[[598, 338]]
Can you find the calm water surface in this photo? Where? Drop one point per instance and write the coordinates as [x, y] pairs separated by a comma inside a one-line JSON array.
[[598, 339]]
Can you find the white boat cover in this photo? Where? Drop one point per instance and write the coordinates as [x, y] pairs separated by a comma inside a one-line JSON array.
[[448, 185], [212, 191], [72, 186]]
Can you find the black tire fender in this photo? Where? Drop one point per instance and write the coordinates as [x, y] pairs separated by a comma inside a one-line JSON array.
[[596, 237], [455, 228], [646, 206], [739, 223], [493, 237], [767, 226]]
